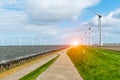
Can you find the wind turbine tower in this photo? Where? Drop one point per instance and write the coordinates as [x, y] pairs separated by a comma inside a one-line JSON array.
[[90, 37], [19, 41], [32, 40]]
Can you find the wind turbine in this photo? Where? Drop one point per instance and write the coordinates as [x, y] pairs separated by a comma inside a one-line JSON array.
[[2, 42], [32, 40], [19, 41], [99, 26], [85, 38], [90, 35], [39, 41], [13, 42]]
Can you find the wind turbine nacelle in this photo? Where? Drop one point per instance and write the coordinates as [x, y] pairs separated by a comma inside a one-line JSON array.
[[100, 16]]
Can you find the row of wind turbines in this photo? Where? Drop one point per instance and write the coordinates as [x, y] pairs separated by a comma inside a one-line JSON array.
[[86, 37], [21, 42], [32, 41], [99, 27]]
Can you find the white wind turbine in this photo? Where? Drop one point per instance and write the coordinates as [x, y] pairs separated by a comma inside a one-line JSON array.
[[13, 42], [90, 35], [32, 40], [99, 26], [20, 39], [90, 40], [2, 42]]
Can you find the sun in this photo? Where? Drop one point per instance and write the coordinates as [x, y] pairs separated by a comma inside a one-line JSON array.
[[75, 43]]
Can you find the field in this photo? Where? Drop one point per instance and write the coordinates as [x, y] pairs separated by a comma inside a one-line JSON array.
[[13, 52], [96, 63]]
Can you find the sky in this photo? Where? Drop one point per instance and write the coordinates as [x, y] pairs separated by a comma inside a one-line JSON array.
[[34, 22]]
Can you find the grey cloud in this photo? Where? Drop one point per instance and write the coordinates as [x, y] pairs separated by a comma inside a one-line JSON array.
[[52, 11], [116, 14]]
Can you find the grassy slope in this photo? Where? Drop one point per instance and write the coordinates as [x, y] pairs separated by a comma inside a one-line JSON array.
[[34, 74], [95, 63]]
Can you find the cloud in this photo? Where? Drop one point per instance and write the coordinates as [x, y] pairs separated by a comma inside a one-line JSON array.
[[12, 22], [48, 30], [52, 11], [12, 17], [1, 4], [12, 4], [116, 14]]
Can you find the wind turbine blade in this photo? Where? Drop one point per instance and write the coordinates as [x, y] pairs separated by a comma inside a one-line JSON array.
[[94, 12], [90, 25]]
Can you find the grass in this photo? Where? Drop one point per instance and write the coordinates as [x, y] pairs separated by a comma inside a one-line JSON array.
[[34, 74], [95, 63]]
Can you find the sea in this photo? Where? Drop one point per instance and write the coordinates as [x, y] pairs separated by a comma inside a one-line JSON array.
[[8, 53]]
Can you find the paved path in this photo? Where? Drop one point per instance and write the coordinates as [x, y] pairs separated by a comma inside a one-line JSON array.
[[21, 73], [61, 69]]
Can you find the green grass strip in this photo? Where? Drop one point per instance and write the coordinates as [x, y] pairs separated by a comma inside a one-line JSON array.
[[96, 63], [34, 74]]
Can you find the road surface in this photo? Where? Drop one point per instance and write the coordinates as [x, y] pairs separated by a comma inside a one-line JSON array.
[[61, 69]]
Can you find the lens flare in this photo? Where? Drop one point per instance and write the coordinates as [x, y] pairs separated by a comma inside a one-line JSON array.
[[74, 43]]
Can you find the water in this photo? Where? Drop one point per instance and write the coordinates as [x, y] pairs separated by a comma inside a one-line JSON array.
[[13, 52]]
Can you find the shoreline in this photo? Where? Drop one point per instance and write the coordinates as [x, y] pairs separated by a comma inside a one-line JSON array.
[[25, 65]]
